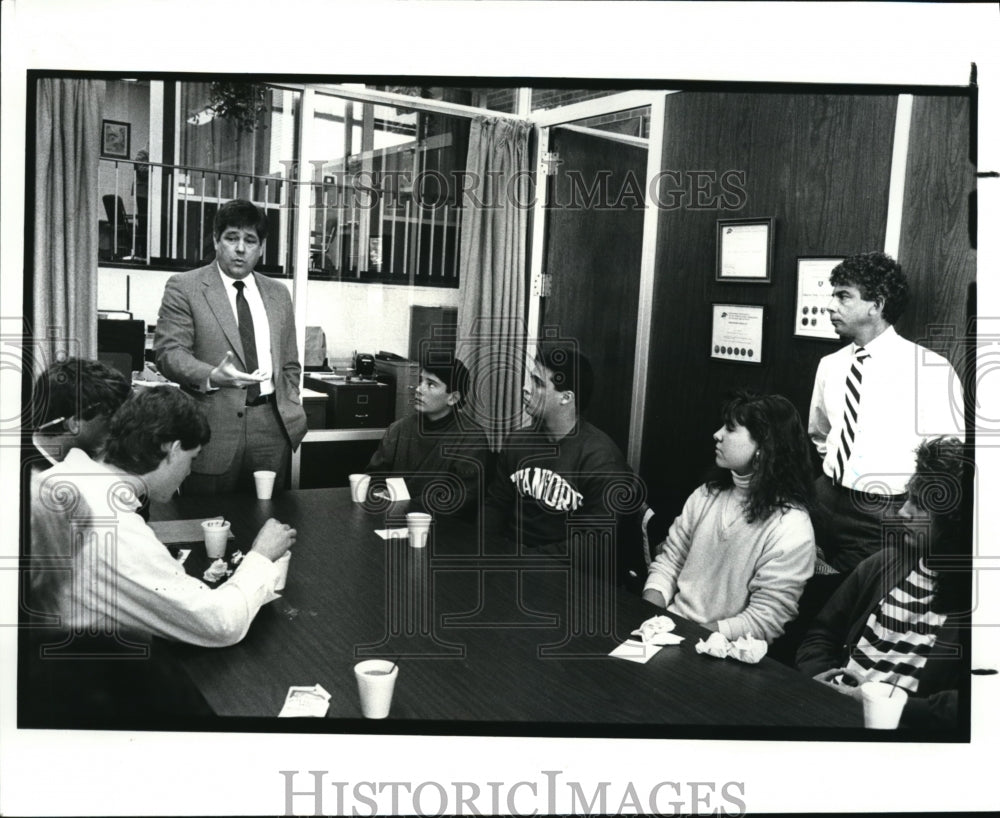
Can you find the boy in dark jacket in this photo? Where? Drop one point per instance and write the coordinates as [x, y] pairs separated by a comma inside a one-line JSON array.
[[442, 454]]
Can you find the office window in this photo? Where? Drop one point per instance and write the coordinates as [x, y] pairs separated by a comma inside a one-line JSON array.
[[194, 146], [386, 203]]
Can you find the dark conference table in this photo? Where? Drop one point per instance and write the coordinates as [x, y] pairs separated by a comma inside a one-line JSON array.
[[517, 645]]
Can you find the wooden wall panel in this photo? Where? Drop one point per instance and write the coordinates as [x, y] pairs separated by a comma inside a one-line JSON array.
[[594, 255], [935, 248], [818, 164]]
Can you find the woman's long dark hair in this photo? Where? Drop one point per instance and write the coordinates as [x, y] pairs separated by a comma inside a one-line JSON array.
[[782, 475]]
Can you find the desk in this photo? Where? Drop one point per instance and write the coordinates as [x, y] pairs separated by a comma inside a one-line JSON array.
[[538, 668]]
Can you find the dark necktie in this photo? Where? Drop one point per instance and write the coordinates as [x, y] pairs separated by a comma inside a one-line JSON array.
[[247, 338], [852, 401]]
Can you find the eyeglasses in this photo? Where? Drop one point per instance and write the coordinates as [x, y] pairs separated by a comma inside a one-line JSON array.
[[61, 420]]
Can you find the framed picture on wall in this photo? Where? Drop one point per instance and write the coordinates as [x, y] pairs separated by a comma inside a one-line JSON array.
[[812, 295], [738, 332], [743, 250], [115, 139]]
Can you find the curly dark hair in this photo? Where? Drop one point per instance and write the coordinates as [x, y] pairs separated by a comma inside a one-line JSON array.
[[148, 422], [878, 277], [782, 476], [937, 482], [76, 387], [941, 486]]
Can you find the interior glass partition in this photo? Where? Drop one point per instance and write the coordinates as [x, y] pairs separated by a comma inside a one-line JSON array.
[[194, 146], [387, 193]]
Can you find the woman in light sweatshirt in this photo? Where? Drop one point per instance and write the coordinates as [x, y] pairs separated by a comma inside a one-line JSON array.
[[738, 556]]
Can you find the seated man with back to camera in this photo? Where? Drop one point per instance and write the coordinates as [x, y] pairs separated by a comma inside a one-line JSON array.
[[132, 583], [71, 405], [560, 468], [441, 453], [902, 615]]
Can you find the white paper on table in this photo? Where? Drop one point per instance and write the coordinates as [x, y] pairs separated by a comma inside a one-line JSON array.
[[396, 487], [393, 533], [305, 701], [633, 651], [662, 639]]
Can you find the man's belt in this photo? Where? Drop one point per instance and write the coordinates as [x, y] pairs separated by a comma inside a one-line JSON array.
[[262, 399]]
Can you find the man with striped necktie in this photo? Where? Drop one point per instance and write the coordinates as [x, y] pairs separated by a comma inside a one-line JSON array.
[[874, 401]]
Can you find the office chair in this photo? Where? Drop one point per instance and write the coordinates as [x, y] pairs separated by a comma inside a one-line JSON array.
[[119, 220], [314, 354]]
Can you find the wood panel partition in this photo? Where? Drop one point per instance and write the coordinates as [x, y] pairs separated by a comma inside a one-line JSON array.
[[593, 255], [936, 248], [819, 164]]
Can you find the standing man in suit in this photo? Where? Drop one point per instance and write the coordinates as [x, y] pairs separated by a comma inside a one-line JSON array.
[[227, 336]]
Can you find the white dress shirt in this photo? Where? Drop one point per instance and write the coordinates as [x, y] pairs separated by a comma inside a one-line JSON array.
[[261, 327], [122, 576], [908, 394]]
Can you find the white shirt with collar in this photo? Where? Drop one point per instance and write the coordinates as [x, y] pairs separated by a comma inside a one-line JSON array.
[[261, 327], [908, 394], [84, 516]]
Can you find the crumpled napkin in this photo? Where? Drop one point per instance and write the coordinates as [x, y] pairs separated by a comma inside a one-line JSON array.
[[745, 649], [216, 571], [657, 631]]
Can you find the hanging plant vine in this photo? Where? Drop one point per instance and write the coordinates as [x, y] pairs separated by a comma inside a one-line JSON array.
[[239, 102]]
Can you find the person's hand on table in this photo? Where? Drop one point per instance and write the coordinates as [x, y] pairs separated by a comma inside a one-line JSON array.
[[274, 539], [227, 374], [841, 680], [654, 596]]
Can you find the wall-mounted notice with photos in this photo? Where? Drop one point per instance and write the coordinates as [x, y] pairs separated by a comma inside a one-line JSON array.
[[812, 297], [738, 332]]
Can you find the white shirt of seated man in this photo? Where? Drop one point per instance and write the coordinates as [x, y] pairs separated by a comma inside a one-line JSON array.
[[123, 577]]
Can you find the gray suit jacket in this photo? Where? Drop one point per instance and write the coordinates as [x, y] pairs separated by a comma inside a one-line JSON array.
[[196, 328]]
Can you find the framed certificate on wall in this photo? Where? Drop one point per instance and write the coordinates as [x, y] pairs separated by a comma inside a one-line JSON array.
[[812, 295], [743, 250], [738, 332]]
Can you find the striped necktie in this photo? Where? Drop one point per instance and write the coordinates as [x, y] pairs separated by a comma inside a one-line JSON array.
[[852, 400]]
